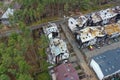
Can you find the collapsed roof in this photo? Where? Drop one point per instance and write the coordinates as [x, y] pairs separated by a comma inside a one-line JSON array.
[[103, 16], [50, 30], [107, 13], [75, 24], [90, 33], [112, 29], [58, 46], [81, 20], [95, 17]]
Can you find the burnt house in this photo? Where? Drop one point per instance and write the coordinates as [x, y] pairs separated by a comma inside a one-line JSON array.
[[88, 36], [103, 17], [95, 19], [107, 15], [112, 30], [117, 10], [58, 51], [51, 30], [78, 23]]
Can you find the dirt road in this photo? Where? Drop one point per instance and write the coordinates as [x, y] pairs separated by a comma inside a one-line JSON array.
[[80, 56]]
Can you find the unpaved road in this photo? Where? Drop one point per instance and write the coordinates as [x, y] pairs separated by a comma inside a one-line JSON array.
[[80, 56]]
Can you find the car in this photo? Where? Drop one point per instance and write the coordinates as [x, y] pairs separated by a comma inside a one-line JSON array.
[[90, 47]]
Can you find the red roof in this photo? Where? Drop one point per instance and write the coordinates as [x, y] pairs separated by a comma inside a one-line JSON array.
[[66, 71]]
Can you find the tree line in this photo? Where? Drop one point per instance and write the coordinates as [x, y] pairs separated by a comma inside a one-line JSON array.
[[13, 65], [35, 10]]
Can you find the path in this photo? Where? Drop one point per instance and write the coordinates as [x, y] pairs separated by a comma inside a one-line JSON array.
[[77, 51]]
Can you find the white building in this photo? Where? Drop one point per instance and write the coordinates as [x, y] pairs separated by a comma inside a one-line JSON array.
[[106, 64]]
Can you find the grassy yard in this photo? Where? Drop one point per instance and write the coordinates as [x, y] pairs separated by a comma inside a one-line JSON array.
[[44, 76], [97, 8], [45, 20], [92, 9]]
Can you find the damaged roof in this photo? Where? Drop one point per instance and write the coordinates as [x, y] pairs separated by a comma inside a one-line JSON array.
[[52, 27], [90, 33], [81, 20], [58, 46], [107, 13], [112, 28], [95, 17]]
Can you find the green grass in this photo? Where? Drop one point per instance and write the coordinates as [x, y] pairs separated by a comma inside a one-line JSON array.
[[91, 9], [45, 20], [41, 51], [97, 8], [77, 67], [44, 76]]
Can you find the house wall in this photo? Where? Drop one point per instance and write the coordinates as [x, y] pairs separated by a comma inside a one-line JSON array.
[[96, 69], [118, 17], [115, 35], [72, 23]]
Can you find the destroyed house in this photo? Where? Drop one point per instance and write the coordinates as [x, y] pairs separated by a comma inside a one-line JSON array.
[[72, 24], [96, 19], [103, 17], [82, 20], [77, 24], [99, 18], [113, 30], [89, 35], [51, 30], [58, 51], [117, 10], [95, 34]]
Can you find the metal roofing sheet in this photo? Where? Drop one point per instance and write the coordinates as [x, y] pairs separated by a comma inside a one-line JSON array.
[[109, 61]]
